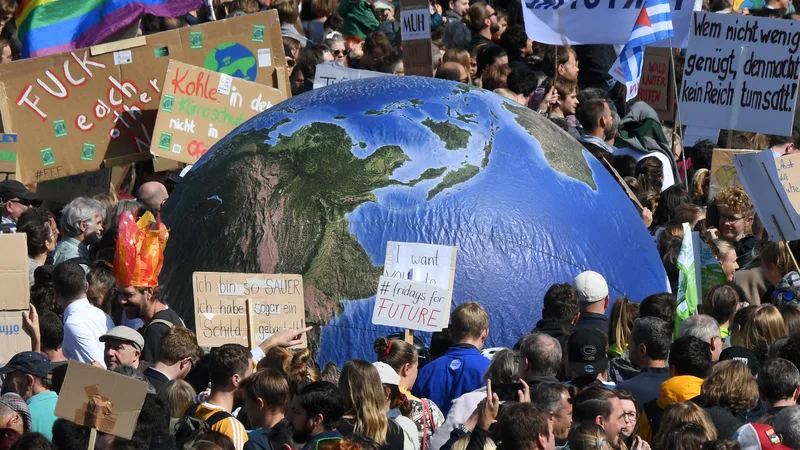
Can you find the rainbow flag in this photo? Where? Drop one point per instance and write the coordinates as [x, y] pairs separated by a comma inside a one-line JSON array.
[[53, 26]]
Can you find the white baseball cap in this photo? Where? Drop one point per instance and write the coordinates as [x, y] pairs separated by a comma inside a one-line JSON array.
[[387, 374], [591, 287]]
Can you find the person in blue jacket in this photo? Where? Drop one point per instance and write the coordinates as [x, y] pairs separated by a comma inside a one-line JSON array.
[[461, 369]]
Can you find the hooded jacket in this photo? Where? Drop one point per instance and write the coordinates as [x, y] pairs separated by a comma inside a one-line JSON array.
[[677, 389], [641, 131], [359, 18]]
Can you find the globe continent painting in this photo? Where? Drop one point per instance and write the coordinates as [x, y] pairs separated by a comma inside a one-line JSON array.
[[318, 184], [232, 59]]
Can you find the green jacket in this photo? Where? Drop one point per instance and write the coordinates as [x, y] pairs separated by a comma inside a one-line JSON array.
[[359, 18]]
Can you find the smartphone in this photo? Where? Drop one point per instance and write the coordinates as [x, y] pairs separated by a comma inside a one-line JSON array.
[[507, 392]]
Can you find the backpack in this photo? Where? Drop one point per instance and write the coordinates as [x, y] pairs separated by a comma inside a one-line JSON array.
[[189, 428], [162, 322]]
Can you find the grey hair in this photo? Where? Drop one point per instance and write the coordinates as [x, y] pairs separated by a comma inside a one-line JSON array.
[[787, 424], [123, 206], [132, 372], [543, 353], [548, 396], [333, 38], [82, 209], [504, 367], [700, 326]]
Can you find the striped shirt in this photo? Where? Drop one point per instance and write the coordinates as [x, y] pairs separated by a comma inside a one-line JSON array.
[[229, 427]]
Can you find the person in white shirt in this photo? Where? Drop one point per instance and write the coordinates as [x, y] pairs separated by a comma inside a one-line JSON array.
[[83, 322]]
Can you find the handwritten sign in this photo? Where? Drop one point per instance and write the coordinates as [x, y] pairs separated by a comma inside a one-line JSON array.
[[199, 107], [415, 24], [723, 170], [656, 82], [246, 308], [13, 337], [328, 74], [276, 303], [79, 111], [426, 263], [15, 294], [410, 304], [96, 398], [789, 175], [741, 73], [63, 190], [8, 153]]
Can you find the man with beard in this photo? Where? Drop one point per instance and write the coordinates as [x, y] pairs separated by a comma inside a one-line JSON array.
[[26, 375], [145, 303], [84, 323], [595, 117], [82, 225], [314, 412], [481, 19]]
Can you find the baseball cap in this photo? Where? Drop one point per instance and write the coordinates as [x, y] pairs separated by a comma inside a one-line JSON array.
[[591, 287], [587, 351], [31, 363], [125, 334], [16, 403], [744, 355], [10, 189], [289, 31], [758, 436], [387, 374]]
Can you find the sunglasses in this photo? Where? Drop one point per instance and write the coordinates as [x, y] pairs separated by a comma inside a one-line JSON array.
[[786, 296], [290, 62], [339, 52], [22, 202]]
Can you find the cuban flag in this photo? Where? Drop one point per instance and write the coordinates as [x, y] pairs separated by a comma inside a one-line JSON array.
[[653, 24]]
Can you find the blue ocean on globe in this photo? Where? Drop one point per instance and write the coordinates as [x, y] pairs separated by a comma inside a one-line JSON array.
[[232, 59], [319, 183]]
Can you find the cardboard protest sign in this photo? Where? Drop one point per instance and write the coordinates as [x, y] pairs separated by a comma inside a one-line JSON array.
[[275, 302], [220, 309], [426, 263], [63, 190], [14, 338], [15, 294], [415, 30], [655, 84], [741, 73], [410, 304], [200, 106], [101, 399], [759, 176], [723, 171], [8, 153], [85, 109], [328, 74], [788, 167]]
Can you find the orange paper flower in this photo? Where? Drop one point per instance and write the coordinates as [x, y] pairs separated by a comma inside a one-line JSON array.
[[140, 250]]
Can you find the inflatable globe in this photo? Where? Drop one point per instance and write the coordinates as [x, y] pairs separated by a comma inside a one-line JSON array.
[[318, 184], [232, 59]]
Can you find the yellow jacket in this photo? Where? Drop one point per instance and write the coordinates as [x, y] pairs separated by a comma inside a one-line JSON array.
[[675, 390]]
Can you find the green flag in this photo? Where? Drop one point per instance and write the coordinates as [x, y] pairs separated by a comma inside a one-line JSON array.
[[687, 280]]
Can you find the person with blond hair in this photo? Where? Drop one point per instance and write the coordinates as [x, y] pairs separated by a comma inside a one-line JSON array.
[[736, 213], [177, 394], [777, 261], [683, 412], [727, 395], [461, 368], [761, 330], [588, 436]]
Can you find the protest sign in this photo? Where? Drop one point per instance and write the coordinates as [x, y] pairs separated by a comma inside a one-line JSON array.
[[101, 399], [415, 23], [328, 74], [14, 338], [575, 22], [410, 304], [723, 170], [85, 109], [220, 310], [656, 83], [789, 175], [426, 263], [15, 294], [759, 177], [63, 190], [8, 153], [276, 302], [741, 73], [694, 134], [200, 106]]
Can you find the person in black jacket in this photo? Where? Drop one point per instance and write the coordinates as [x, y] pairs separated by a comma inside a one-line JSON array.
[[175, 357], [592, 292], [727, 395]]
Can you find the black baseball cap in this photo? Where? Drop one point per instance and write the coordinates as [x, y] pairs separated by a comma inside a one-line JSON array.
[[10, 189], [744, 355], [31, 363], [587, 351]]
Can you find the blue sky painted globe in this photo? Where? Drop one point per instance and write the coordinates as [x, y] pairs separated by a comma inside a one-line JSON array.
[[318, 184]]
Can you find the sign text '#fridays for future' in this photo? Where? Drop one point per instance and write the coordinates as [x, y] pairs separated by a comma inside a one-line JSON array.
[[741, 73]]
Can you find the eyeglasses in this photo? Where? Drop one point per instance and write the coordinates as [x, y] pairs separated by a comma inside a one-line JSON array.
[[729, 219], [630, 416]]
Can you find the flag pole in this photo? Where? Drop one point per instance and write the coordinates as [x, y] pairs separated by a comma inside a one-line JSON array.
[[677, 129]]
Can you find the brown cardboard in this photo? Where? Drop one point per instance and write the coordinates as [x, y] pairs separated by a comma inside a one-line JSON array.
[[220, 315], [277, 303], [199, 107], [63, 190], [789, 175], [101, 399], [656, 86], [91, 88], [417, 56], [8, 153], [14, 338], [15, 292], [723, 171]]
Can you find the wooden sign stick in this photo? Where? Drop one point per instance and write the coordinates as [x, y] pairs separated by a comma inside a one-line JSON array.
[[408, 336], [92, 438]]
